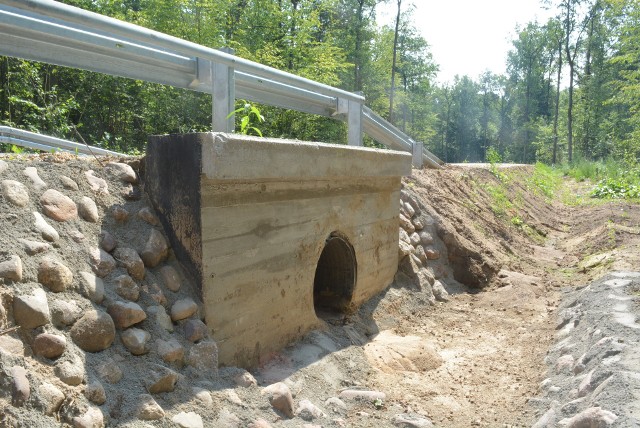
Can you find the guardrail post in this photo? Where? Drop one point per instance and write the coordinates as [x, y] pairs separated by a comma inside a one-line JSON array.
[[224, 96], [416, 151], [354, 123]]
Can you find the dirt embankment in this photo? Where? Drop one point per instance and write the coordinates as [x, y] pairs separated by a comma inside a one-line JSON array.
[[459, 339]]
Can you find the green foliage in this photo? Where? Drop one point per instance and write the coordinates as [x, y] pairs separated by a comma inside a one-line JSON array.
[[545, 180], [248, 115], [493, 157]]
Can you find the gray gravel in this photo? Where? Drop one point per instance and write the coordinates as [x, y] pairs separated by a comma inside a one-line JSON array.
[[594, 368]]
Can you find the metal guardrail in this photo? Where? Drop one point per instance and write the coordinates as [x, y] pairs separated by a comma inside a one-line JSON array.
[[32, 140], [56, 33]]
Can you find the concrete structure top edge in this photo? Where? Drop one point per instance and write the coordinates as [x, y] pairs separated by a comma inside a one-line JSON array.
[[241, 157]]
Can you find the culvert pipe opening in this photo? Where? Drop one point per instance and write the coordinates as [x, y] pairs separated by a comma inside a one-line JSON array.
[[335, 277]]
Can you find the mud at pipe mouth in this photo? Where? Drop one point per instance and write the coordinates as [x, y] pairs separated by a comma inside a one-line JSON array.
[[335, 277]]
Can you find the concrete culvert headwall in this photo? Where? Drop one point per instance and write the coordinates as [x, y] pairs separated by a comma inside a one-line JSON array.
[[250, 217], [335, 276]]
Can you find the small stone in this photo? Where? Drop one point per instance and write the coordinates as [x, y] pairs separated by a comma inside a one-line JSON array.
[[183, 308], [20, 389], [404, 249], [3, 166], [415, 239], [94, 332], [203, 396], [92, 287], [58, 206], [136, 340], [195, 330], [259, 423], [50, 398], [32, 173], [15, 192], [432, 254], [564, 363], [110, 371], [147, 215], [34, 247], [245, 379], [88, 210], [64, 313], [127, 288], [409, 209], [426, 238], [155, 293], [171, 351], [416, 260], [586, 386], [148, 409], [155, 250], [95, 393], [404, 236], [204, 356], [68, 183], [308, 411], [335, 404], [417, 223], [129, 258], [160, 379], [441, 294], [234, 398], [226, 419], [70, 372], [354, 394], [280, 398], [123, 171], [76, 235], [409, 420], [47, 231], [107, 242], [11, 270], [126, 314], [32, 310], [92, 418], [420, 253], [131, 193], [591, 417], [188, 420], [170, 278], [161, 317], [54, 275], [96, 184], [406, 224], [49, 345], [119, 213], [101, 262], [11, 346]]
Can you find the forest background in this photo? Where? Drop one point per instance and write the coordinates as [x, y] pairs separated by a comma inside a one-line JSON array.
[[571, 89]]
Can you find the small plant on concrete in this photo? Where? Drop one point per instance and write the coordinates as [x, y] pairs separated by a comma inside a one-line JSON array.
[[249, 117]]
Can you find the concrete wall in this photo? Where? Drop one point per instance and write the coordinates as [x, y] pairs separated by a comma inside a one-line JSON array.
[[265, 208]]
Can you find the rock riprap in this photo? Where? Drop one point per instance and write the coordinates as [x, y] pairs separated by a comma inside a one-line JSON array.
[[15, 192], [94, 331], [31, 310], [58, 206], [54, 275]]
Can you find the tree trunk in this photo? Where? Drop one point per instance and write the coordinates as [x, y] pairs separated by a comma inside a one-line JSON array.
[[393, 63], [557, 106], [357, 69]]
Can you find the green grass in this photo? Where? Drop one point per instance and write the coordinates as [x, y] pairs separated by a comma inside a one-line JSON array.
[[545, 180], [612, 179]]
